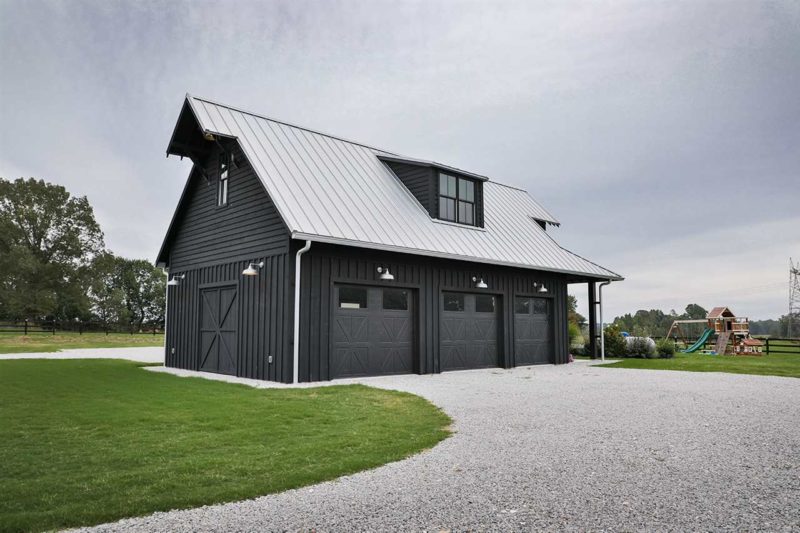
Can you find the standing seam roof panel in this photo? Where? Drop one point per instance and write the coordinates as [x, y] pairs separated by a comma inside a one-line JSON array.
[[341, 191]]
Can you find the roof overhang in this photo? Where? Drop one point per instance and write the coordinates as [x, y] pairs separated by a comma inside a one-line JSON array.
[[575, 277]]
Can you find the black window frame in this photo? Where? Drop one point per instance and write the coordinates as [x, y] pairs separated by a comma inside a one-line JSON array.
[[345, 295], [465, 209], [406, 296], [521, 302], [483, 298], [223, 177], [459, 297]]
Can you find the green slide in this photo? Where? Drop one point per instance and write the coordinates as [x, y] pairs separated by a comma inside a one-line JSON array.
[[701, 341]]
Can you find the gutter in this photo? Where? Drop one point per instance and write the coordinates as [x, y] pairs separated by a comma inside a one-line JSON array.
[[602, 326], [296, 355]]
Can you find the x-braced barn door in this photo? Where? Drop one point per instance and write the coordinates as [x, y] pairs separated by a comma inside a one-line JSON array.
[[218, 329]]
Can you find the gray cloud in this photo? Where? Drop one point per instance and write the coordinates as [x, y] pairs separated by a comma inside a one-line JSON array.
[[663, 134]]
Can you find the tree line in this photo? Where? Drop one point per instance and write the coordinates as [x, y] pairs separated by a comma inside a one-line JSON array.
[[54, 265], [656, 323]]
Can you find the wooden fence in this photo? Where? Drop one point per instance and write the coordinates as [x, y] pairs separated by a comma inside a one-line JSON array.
[[35, 327], [772, 345]]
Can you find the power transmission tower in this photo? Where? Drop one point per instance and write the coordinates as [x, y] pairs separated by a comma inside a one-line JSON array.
[[794, 298]]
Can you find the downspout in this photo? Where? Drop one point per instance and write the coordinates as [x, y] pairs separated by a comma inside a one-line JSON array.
[[602, 326], [166, 312], [296, 358]]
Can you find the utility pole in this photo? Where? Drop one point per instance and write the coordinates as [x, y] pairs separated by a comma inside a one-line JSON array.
[[794, 298]]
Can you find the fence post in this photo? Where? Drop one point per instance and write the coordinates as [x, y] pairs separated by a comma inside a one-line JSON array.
[[26, 327], [767, 345]]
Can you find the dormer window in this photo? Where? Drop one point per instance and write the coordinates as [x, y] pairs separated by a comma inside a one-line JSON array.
[[456, 199], [222, 187]]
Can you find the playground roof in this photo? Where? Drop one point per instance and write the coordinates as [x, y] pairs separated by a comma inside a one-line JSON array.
[[719, 312]]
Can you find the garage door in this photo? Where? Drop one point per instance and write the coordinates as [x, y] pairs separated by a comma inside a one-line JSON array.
[[218, 338], [373, 331], [468, 331], [533, 332]]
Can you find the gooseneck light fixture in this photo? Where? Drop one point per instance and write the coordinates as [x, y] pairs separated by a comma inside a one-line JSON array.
[[253, 268], [542, 289], [479, 283], [385, 275], [176, 280]]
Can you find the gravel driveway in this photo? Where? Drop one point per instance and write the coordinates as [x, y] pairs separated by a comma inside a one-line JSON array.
[[569, 447]]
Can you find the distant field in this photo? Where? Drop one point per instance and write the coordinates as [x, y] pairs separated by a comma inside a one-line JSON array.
[[44, 342]]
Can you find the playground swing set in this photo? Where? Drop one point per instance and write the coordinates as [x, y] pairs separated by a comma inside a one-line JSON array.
[[732, 334]]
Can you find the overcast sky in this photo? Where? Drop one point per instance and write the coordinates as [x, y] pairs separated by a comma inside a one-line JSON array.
[[664, 135]]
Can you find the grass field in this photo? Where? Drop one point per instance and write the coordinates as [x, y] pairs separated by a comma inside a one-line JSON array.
[[44, 342], [768, 365], [84, 442]]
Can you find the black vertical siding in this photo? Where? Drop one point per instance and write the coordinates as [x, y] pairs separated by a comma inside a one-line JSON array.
[[419, 181], [212, 245], [325, 265], [262, 309], [248, 225]]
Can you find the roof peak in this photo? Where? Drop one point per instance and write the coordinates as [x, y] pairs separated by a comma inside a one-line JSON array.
[[190, 98], [285, 123]]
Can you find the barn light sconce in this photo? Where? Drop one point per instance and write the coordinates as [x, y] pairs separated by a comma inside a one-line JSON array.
[[207, 135], [252, 269], [542, 289], [385, 275], [176, 280], [479, 283]]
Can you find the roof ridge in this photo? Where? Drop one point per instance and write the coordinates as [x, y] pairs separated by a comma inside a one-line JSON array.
[[291, 125]]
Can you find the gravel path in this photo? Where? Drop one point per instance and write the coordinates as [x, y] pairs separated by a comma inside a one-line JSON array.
[[571, 447], [148, 354]]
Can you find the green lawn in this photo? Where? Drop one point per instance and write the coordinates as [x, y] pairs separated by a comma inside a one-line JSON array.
[[768, 365], [84, 442], [44, 342]]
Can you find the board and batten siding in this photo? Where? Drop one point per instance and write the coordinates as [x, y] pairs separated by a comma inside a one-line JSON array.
[[419, 181], [248, 226], [264, 317], [325, 265], [211, 245]]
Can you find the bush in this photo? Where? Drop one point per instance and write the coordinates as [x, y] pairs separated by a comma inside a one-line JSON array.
[[574, 334], [665, 348], [640, 347], [614, 341]]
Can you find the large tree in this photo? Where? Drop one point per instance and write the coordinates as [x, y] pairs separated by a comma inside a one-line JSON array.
[[695, 311], [143, 291], [47, 238]]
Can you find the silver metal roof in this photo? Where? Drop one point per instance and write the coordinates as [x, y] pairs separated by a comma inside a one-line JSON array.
[[328, 189]]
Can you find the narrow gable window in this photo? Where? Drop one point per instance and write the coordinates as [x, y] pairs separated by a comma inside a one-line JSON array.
[[222, 188], [456, 199]]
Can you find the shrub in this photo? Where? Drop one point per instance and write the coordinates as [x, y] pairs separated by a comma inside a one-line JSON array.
[[614, 341], [574, 334], [640, 347], [665, 348]]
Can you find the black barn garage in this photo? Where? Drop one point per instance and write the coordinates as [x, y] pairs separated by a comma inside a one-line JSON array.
[[296, 255]]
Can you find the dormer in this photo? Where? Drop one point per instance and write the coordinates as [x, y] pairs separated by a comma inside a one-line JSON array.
[[447, 194]]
